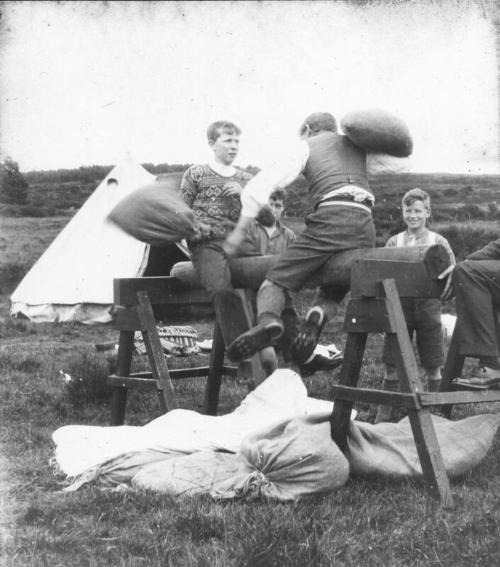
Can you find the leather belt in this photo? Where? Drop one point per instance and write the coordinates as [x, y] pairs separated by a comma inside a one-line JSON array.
[[346, 200]]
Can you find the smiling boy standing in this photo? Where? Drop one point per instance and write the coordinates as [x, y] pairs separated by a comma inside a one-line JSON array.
[[423, 316], [212, 191]]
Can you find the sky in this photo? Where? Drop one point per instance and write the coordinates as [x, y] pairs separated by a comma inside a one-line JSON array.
[[84, 83]]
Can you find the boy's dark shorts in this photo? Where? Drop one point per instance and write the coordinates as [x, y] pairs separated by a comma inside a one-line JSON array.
[[329, 230], [423, 317]]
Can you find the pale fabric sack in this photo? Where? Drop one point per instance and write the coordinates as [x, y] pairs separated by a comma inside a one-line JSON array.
[[378, 131], [282, 396], [389, 450], [283, 462], [155, 214]]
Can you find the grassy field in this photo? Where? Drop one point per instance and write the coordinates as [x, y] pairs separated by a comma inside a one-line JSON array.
[[363, 523], [366, 522], [22, 242]]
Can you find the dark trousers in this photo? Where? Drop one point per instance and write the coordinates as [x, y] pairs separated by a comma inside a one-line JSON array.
[[477, 290], [210, 262]]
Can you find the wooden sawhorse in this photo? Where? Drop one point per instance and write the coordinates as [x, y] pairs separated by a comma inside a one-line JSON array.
[[375, 306], [133, 311]]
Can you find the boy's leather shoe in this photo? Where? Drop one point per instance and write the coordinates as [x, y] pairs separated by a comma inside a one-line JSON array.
[[308, 336], [257, 338]]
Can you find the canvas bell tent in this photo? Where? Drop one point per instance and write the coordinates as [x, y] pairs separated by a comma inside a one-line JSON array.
[[73, 279]]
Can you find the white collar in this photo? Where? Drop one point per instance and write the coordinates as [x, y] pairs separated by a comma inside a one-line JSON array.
[[221, 169]]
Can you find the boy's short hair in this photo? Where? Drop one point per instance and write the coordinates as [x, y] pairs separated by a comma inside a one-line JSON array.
[[278, 194], [416, 194], [216, 128], [319, 121]]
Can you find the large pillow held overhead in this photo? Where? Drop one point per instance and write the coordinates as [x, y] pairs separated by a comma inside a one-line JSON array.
[[155, 214], [379, 131]]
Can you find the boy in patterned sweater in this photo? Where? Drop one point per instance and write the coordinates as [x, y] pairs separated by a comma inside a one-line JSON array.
[[423, 316], [212, 191]]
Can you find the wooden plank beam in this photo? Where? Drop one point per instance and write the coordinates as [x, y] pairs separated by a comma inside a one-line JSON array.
[[216, 367], [124, 361], [430, 456], [452, 368], [412, 278], [349, 376], [155, 351], [251, 370], [395, 399], [367, 315], [146, 380], [160, 290], [422, 427], [250, 272], [180, 373], [137, 382], [459, 397]]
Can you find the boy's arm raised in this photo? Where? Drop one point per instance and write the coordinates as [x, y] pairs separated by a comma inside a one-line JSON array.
[[256, 193]]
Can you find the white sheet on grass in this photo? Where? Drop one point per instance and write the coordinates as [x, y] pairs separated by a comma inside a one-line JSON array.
[[280, 397], [276, 444]]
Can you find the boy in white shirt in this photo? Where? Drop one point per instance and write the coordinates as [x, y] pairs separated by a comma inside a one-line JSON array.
[[423, 316]]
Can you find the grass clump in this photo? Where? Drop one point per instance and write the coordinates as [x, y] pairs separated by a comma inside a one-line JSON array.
[[85, 375], [11, 273], [14, 327]]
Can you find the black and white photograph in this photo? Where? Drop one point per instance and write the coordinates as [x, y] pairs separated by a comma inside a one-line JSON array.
[[249, 283]]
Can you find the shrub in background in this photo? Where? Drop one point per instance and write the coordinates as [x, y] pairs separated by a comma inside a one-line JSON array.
[[470, 211], [16, 327], [465, 239], [493, 211], [11, 273], [13, 185]]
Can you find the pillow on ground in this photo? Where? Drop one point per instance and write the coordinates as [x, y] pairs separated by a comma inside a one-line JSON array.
[[154, 214], [389, 450], [377, 130], [284, 461]]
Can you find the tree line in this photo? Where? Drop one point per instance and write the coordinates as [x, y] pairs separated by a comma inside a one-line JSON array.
[[93, 173], [14, 185]]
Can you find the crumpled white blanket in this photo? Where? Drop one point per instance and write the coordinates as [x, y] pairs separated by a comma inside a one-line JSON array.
[[282, 396], [276, 444]]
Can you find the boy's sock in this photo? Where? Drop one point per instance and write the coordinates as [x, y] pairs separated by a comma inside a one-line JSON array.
[[432, 377]]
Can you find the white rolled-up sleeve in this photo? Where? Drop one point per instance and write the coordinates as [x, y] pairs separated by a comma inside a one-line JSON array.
[[278, 174]]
